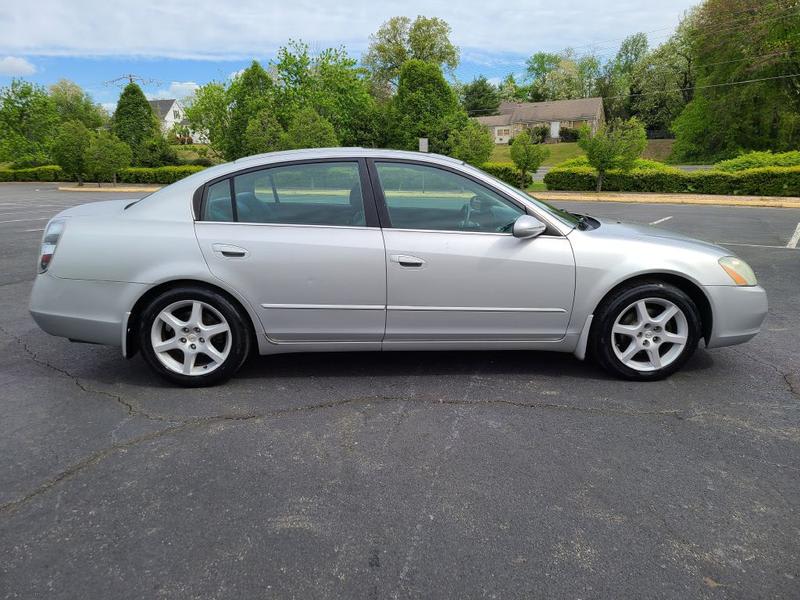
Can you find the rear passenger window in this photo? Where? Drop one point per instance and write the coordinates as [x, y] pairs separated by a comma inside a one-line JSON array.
[[218, 202], [326, 193]]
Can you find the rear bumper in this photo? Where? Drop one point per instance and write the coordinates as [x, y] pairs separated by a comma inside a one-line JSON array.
[[88, 311], [738, 313]]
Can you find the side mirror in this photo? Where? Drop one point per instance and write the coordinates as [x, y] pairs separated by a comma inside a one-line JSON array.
[[527, 226]]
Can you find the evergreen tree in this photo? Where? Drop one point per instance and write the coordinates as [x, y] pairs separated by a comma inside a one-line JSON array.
[[480, 98], [134, 122], [69, 149]]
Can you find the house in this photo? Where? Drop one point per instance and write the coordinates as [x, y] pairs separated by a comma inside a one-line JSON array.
[[515, 117], [170, 113]]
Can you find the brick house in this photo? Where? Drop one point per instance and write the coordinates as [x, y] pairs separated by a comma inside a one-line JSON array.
[[515, 117]]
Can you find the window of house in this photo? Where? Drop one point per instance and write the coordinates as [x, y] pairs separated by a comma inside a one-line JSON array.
[[327, 193], [423, 197]]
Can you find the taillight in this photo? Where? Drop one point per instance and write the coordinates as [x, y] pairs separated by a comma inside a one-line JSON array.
[[49, 242]]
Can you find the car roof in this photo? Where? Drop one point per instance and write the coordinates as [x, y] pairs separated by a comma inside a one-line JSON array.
[[350, 152]]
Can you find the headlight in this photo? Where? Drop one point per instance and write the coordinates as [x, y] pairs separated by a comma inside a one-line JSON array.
[[739, 271]]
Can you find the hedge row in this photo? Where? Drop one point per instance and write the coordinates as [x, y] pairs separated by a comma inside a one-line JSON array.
[[755, 160], [130, 175], [507, 172], [768, 181]]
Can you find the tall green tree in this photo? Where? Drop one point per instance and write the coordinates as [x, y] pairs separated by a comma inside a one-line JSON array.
[[28, 123], [263, 134], [563, 76], [480, 97], [618, 82], [424, 106], [134, 122], [400, 39], [249, 93], [106, 156], [616, 145], [69, 149], [309, 130], [208, 111], [74, 104], [527, 155], [510, 90], [734, 41], [473, 144]]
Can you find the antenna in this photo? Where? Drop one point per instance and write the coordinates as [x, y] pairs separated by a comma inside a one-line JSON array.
[[131, 78]]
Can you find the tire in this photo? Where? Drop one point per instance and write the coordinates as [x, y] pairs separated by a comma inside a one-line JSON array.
[[645, 331], [193, 353]]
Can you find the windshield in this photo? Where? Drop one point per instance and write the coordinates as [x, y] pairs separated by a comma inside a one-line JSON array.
[[562, 215]]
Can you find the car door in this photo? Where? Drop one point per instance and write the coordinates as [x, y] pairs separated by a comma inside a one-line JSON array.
[[454, 270], [301, 242]]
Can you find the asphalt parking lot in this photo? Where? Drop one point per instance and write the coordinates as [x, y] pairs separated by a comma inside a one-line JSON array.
[[403, 475]]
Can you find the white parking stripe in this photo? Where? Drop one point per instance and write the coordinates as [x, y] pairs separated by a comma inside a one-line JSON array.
[[23, 220], [756, 245], [30, 230], [795, 238], [656, 222]]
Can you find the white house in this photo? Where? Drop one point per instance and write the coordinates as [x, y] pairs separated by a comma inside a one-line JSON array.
[[170, 112], [515, 117]]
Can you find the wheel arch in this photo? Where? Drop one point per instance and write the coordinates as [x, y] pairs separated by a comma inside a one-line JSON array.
[[686, 285], [132, 326]]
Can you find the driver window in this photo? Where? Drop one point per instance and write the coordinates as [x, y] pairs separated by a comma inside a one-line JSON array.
[[422, 197]]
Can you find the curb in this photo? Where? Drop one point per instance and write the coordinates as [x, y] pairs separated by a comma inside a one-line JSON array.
[[126, 190], [707, 200]]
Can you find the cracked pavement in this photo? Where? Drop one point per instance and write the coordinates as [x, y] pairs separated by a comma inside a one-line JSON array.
[[405, 475]]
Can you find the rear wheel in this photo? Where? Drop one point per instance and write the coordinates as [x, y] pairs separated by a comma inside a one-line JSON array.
[[193, 336], [645, 331]]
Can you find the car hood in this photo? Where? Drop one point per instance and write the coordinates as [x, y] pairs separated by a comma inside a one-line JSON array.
[[633, 231], [93, 209]]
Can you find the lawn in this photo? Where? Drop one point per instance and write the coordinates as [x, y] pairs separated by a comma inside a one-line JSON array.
[[655, 150]]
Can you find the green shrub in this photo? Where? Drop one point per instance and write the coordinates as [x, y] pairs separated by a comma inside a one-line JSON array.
[[767, 181], [505, 171], [569, 134], [164, 175], [755, 160]]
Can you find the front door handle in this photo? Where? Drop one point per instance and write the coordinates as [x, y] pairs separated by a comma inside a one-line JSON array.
[[404, 260], [229, 250]]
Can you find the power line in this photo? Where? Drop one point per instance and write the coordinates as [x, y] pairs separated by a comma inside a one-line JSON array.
[[670, 91]]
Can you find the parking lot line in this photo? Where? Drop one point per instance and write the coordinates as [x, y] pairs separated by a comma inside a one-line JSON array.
[[23, 220], [787, 247], [657, 221], [795, 238]]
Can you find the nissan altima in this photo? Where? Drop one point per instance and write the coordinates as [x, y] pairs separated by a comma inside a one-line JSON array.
[[349, 249]]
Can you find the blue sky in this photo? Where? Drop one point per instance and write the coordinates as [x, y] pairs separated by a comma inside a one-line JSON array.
[[179, 44]]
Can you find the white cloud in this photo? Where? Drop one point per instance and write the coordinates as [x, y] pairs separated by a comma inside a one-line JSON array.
[[234, 74], [243, 29], [179, 90], [109, 107], [13, 66]]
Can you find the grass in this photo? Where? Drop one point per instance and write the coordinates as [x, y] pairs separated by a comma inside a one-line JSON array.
[[187, 152], [656, 150]]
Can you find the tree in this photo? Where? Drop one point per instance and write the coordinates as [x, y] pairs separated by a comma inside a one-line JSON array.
[[526, 155], [28, 123], [613, 146], [106, 156], [209, 112], [69, 149], [473, 144], [263, 133], [400, 39], [73, 104], [134, 122], [618, 82], [510, 91], [249, 93], [480, 97], [563, 76], [734, 41], [424, 106], [309, 130]]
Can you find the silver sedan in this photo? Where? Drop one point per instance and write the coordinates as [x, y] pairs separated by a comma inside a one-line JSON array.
[[352, 249]]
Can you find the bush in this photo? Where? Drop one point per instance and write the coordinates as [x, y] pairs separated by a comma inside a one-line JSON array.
[[569, 134], [766, 181], [163, 175], [539, 134], [754, 160], [157, 174], [506, 172]]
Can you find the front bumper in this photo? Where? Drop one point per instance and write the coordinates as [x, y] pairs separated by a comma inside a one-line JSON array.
[[738, 313], [83, 310]]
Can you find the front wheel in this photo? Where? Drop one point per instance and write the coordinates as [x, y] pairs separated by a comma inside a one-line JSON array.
[[646, 331], [193, 336]]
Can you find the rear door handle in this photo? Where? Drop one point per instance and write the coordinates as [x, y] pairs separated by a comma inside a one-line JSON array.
[[404, 260], [229, 250]]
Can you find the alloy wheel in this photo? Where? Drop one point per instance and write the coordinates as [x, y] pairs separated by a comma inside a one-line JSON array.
[[649, 334], [191, 337]]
